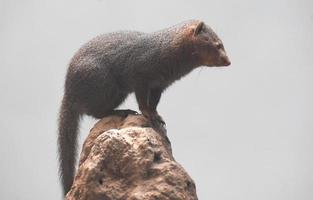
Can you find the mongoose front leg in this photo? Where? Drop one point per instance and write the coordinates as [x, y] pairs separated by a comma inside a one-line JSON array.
[[153, 101], [147, 100]]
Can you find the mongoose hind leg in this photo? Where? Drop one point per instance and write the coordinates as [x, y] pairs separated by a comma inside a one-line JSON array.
[[102, 106]]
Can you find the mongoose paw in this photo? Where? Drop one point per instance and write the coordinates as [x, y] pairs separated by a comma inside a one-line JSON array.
[[131, 112], [158, 124], [154, 118], [157, 119], [161, 121], [124, 113]]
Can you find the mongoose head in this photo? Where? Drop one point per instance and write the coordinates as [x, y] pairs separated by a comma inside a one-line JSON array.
[[207, 47]]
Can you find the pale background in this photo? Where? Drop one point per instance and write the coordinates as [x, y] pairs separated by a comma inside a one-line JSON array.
[[243, 132]]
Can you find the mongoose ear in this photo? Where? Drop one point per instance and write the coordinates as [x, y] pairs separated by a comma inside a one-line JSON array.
[[198, 28]]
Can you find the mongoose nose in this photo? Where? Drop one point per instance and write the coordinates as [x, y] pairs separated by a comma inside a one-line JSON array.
[[226, 61]]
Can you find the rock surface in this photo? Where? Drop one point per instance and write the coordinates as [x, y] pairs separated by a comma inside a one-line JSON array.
[[125, 159]]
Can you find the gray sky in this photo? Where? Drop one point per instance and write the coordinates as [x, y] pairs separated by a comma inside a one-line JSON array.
[[243, 132]]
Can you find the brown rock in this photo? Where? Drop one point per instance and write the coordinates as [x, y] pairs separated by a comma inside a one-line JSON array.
[[124, 159]]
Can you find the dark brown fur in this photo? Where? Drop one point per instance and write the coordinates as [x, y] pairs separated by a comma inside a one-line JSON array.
[[109, 67]]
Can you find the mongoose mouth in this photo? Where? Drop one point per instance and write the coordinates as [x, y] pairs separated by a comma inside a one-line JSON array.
[[220, 62]]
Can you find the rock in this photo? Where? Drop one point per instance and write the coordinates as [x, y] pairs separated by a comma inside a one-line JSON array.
[[125, 159]]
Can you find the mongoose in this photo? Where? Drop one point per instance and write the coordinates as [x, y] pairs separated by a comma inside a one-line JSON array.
[[109, 67]]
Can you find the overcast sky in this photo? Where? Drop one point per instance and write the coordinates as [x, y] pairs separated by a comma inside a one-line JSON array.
[[243, 132]]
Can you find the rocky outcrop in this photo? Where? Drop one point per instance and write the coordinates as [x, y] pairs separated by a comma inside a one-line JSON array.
[[125, 159]]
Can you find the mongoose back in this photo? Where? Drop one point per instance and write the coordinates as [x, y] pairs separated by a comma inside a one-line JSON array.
[[109, 67]]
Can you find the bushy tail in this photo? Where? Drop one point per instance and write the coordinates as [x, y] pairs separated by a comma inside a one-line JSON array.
[[67, 142]]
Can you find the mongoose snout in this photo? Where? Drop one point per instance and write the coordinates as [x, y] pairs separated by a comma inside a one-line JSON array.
[[224, 61]]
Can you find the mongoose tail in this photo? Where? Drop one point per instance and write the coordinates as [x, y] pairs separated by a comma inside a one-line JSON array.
[[67, 142]]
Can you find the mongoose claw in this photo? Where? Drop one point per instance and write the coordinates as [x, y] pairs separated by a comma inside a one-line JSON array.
[[131, 112], [158, 123], [161, 121], [158, 119]]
